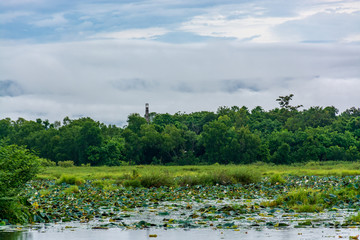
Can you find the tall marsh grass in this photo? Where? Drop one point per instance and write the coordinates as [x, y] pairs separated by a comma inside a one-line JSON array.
[[301, 200], [70, 179]]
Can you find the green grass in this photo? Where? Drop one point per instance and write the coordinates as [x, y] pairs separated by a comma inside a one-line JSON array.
[[301, 200], [155, 176]]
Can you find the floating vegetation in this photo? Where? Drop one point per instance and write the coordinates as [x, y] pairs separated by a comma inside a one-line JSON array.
[[295, 202]]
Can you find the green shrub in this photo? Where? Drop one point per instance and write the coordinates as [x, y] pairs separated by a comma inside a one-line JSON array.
[[276, 179], [17, 166], [46, 162], [70, 179], [66, 164], [15, 210]]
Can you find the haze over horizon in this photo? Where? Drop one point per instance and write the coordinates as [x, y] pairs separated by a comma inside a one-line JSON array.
[[106, 59]]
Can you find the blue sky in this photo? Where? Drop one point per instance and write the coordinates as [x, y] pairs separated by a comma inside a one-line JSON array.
[[187, 21], [105, 59]]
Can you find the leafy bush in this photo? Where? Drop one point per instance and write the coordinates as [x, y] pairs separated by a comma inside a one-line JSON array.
[[47, 163], [15, 210], [276, 179], [17, 166], [70, 179], [66, 163]]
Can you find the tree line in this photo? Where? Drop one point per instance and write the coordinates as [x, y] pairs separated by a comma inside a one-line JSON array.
[[235, 135]]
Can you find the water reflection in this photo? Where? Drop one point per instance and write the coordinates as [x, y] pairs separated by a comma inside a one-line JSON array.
[[16, 236]]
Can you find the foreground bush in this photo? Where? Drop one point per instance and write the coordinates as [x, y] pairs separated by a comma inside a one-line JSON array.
[[17, 166]]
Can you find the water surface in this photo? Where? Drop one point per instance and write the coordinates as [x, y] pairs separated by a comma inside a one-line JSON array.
[[179, 234]]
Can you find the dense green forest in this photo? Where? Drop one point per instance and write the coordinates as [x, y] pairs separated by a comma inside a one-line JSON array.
[[283, 135]]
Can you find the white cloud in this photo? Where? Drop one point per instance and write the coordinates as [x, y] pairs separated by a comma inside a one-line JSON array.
[[331, 7], [20, 2], [257, 25], [220, 26], [55, 20], [145, 33], [109, 79], [352, 38], [8, 17]]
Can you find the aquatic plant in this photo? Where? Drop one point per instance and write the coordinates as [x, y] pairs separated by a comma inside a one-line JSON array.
[[301, 200], [71, 189], [276, 179]]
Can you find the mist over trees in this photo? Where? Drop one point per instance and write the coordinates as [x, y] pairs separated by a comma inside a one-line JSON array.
[[235, 134]]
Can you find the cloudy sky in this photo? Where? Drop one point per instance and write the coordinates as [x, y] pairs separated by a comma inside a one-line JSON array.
[[106, 59]]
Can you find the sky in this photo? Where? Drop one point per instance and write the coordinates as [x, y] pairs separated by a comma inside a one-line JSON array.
[[105, 59]]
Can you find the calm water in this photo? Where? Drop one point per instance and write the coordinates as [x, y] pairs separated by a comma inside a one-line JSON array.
[[193, 234]]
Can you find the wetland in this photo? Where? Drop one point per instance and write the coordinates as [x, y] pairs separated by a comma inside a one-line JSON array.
[[212, 202]]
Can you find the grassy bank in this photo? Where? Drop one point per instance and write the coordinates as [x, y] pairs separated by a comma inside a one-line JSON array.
[[224, 172]]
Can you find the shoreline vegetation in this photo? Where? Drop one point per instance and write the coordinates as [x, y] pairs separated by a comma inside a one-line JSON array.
[[256, 170]]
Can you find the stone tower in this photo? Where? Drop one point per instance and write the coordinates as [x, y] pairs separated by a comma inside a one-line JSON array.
[[147, 115]]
